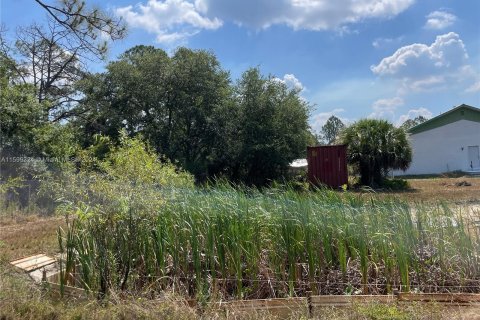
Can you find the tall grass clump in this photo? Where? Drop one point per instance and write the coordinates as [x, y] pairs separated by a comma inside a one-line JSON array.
[[238, 242]]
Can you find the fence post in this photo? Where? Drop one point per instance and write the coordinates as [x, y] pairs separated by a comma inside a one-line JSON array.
[[309, 304]]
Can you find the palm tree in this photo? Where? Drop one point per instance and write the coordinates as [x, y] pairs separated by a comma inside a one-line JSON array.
[[375, 147]]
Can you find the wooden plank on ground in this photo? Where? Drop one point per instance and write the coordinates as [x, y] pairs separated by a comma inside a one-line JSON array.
[[39, 265], [266, 303], [33, 262], [440, 297], [280, 307], [68, 291], [343, 301], [15, 262]]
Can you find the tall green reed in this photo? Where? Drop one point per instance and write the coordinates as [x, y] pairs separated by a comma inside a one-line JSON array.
[[245, 242]]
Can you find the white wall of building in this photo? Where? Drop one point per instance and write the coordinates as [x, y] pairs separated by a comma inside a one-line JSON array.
[[443, 149]]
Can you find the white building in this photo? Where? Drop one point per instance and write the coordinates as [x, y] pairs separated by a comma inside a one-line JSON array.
[[446, 143]]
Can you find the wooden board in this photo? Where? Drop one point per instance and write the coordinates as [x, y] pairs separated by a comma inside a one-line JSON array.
[[26, 258], [465, 298], [33, 262], [47, 272], [316, 305], [345, 301], [282, 307], [265, 303], [68, 291]]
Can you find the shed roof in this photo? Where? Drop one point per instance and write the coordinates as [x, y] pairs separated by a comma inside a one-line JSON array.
[[299, 163], [462, 112]]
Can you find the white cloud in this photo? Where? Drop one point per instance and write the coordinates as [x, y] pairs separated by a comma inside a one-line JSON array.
[[170, 20], [426, 84], [387, 104], [439, 20], [174, 37], [301, 14], [385, 108], [447, 52], [345, 30], [321, 118], [413, 113], [421, 67], [474, 87], [291, 81], [175, 20], [383, 42]]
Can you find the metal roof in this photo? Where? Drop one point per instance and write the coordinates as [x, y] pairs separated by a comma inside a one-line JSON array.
[[462, 112]]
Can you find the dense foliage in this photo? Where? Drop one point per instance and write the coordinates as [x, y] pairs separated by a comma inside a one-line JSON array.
[[187, 109], [30, 145], [223, 242], [375, 147], [271, 129], [106, 177], [185, 106]]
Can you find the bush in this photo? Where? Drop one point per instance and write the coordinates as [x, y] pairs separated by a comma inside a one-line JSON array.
[[396, 184], [107, 177], [383, 312]]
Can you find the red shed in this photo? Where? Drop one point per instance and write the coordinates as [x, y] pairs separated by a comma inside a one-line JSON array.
[[327, 165]]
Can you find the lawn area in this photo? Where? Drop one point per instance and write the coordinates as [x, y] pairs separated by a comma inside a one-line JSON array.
[[22, 235], [456, 190], [446, 189]]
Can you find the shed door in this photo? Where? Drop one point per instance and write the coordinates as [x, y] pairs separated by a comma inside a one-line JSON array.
[[473, 157]]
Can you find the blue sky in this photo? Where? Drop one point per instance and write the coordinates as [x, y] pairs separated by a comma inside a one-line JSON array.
[[391, 59]]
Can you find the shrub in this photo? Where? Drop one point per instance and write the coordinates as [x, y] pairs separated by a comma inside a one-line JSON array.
[[106, 177], [396, 184]]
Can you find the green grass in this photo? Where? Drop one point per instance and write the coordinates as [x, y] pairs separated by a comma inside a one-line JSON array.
[[222, 242]]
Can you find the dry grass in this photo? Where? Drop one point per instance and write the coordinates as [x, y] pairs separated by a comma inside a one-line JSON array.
[[432, 190], [446, 189], [27, 235]]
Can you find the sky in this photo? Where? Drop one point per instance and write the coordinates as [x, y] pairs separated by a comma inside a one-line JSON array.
[[389, 59]]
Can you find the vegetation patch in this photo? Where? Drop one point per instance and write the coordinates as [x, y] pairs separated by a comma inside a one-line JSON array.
[[243, 243], [396, 184]]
